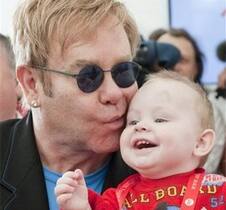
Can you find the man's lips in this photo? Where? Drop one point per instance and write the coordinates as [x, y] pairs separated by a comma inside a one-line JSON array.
[[115, 119], [115, 123]]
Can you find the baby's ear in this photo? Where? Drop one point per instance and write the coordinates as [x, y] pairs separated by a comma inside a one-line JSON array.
[[205, 143]]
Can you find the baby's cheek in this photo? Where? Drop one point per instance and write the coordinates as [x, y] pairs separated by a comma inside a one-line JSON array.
[[124, 137]]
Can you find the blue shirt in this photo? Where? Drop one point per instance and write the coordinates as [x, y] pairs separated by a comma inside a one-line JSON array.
[[94, 181]]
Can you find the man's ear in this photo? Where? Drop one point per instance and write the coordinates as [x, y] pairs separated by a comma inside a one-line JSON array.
[[28, 81], [205, 143]]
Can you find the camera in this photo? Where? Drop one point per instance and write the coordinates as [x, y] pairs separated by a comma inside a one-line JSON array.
[[153, 56]]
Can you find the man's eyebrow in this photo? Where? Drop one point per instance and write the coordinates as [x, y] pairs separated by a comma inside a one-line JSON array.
[[82, 62]]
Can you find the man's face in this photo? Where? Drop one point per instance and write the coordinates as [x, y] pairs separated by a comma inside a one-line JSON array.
[[89, 121], [187, 65], [162, 129], [8, 97]]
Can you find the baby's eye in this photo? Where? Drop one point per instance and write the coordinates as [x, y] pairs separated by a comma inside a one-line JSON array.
[[160, 120], [132, 122]]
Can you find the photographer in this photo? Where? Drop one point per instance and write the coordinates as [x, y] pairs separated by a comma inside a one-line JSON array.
[[153, 56], [222, 79]]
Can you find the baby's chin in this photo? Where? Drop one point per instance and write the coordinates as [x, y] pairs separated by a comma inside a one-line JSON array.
[[159, 173], [142, 167], [146, 168], [152, 174]]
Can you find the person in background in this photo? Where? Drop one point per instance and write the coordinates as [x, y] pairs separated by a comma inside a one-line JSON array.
[[74, 63], [191, 66], [222, 84], [222, 79], [8, 86], [169, 131], [223, 162], [220, 92], [221, 55], [219, 97]]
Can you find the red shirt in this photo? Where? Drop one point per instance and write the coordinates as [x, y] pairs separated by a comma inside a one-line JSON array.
[[167, 193]]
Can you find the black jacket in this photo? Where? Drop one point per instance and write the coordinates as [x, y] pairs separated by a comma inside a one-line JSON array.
[[22, 184]]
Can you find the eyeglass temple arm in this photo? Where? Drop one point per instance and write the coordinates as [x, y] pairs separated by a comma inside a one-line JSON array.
[[55, 71]]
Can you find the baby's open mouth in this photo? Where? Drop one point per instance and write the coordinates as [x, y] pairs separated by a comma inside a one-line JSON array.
[[143, 144]]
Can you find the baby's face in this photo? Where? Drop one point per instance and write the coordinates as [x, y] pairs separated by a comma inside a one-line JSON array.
[[162, 129]]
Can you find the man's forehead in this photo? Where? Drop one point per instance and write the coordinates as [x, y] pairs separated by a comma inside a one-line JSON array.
[[82, 52]]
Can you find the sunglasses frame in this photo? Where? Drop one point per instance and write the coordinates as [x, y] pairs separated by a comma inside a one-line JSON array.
[[43, 68]]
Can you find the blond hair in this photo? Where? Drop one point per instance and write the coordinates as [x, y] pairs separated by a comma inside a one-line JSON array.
[[37, 22], [204, 107]]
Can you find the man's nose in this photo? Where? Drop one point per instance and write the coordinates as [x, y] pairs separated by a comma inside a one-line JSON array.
[[110, 92]]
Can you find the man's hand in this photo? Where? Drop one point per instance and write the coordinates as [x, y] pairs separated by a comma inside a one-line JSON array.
[[71, 191]]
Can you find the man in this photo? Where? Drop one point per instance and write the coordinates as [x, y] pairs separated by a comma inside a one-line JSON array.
[[74, 65], [8, 95]]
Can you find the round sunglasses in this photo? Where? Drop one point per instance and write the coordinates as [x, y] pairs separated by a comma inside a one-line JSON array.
[[91, 77]]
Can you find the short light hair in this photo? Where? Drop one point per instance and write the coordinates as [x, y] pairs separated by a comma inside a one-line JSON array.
[[6, 47], [204, 107], [38, 22]]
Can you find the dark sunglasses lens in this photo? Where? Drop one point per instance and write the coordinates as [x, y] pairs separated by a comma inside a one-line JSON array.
[[90, 78], [125, 74]]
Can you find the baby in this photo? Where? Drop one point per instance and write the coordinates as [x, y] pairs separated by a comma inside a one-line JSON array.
[[169, 133]]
